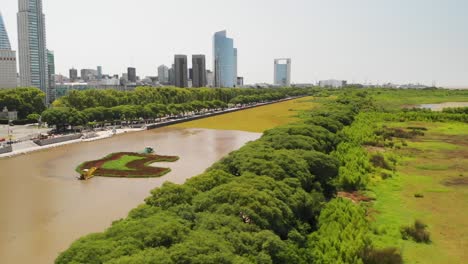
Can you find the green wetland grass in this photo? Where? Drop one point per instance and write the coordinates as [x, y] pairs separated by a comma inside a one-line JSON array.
[[424, 169]]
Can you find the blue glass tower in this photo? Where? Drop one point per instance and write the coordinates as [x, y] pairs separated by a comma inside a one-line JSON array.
[[225, 60], [4, 41], [282, 72]]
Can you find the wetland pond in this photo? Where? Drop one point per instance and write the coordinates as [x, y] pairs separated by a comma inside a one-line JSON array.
[[441, 106]]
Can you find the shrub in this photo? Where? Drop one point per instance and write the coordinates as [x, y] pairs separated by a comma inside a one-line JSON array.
[[419, 195], [386, 175], [382, 256], [417, 232], [378, 160]]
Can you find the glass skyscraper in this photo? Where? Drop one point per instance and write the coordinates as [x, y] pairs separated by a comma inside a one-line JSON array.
[[7, 59], [225, 60], [282, 72], [4, 41], [51, 75], [32, 46]]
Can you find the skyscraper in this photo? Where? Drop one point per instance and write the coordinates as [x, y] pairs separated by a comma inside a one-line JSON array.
[[199, 71], [32, 45], [172, 75], [88, 74], [225, 60], [99, 73], [163, 74], [282, 72], [51, 75], [180, 62], [73, 74], [7, 59], [131, 73]]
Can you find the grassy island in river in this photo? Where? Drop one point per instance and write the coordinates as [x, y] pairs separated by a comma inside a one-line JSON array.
[[128, 165]]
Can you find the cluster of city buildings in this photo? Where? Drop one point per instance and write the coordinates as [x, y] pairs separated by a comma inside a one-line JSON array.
[[37, 64]]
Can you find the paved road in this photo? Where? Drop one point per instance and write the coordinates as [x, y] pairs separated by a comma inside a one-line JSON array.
[[20, 132]]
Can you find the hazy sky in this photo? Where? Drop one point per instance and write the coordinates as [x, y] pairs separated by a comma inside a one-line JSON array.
[[357, 40]]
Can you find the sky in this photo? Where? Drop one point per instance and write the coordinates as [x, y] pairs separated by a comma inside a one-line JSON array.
[[373, 41]]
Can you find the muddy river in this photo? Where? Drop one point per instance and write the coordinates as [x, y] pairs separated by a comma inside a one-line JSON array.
[[43, 208]]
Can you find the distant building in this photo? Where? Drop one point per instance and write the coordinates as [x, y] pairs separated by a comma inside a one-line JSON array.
[[58, 78], [32, 46], [7, 60], [73, 75], [180, 62], [190, 74], [88, 74], [199, 71], [99, 72], [240, 81], [131, 74], [172, 75], [225, 60], [332, 83], [163, 74], [209, 78], [51, 75], [282, 72]]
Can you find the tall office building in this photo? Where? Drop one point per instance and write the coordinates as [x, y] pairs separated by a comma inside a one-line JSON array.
[[180, 62], [163, 74], [209, 78], [51, 75], [88, 74], [99, 73], [131, 73], [73, 74], [7, 59], [283, 72], [172, 75], [32, 46], [225, 60], [199, 71]]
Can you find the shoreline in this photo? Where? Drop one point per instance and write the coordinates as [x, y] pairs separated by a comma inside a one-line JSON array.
[[108, 133]]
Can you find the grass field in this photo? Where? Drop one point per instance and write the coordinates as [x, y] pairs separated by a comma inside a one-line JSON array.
[[120, 164], [257, 119], [436, 166]]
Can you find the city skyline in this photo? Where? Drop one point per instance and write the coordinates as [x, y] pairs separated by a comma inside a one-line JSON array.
[[416, 42]]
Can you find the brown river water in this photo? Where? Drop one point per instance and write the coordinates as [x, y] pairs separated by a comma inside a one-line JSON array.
[[43, 207]]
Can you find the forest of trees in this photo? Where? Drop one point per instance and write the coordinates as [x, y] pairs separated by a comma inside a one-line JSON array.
[[81, 108], [24, 100]]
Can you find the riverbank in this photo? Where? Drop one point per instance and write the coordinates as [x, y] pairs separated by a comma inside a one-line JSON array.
[[28, 146]]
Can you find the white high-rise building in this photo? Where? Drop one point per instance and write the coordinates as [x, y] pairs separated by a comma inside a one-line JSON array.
[[283, 72], [32, 46], [163, 74], [7, 59]]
